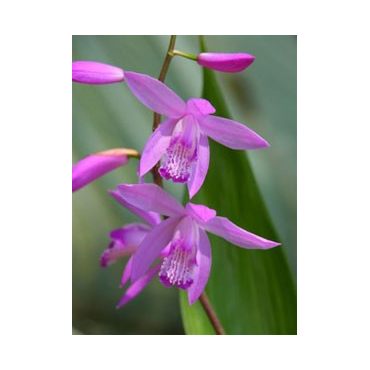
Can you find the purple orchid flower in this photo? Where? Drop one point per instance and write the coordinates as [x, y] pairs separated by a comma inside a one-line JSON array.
[[225, 62], [97, 165], [187, 260], [125, 241], [182, 139]]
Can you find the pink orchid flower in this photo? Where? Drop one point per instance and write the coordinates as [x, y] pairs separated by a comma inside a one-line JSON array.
[[187, 257], [182, 139]]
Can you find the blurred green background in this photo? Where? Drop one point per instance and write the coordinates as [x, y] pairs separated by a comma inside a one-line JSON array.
[[263, 97]]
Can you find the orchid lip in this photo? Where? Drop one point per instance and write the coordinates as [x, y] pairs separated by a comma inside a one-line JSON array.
[[182, 151], [177, 267], [177, 163]]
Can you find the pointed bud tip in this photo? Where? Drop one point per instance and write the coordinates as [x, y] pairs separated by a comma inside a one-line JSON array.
[[271, 244], [266, 144]]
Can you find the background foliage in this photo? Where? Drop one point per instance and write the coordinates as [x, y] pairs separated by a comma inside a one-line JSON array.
[[263, 97]]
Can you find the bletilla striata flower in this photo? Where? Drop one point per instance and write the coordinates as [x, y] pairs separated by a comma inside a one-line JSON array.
[[182, 140], [181, 239]]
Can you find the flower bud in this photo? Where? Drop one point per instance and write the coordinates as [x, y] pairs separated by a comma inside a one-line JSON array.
[[225, 62], [96, 73], [96, 165]]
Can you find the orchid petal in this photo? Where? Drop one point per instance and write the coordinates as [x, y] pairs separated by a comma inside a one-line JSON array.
[[200, 168], [152, 246], [126, 272], [125, 240], [130, 234], [199, 212], [224, 228], [151, 218], [156, 145], [231, 134], [155, 95], [151, 197], [135, 288], [96, 73], [203, 268], [96, 165]]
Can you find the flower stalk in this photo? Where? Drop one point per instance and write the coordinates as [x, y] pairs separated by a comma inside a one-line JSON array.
[[211, 314], [207, 306], [185, 55]]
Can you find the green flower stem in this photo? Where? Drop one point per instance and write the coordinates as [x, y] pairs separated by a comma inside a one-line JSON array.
[[185, 55]]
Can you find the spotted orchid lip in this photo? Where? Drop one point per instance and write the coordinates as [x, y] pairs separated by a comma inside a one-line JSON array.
[[177, 163], [178, 267]]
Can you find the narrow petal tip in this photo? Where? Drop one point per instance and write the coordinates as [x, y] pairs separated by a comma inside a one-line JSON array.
[[191, 300], [270, 244], [264, 144], [104, 259], [96, 73], [125, 299], [226, 62]]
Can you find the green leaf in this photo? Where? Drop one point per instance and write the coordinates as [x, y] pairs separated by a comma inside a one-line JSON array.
[[195, 320], [252, 291]]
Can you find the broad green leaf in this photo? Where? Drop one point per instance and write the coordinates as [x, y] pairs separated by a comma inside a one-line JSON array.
[[252, 291]]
